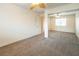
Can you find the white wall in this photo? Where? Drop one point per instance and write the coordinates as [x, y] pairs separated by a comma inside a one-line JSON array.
[[70, 24], [51, 23], [17, 24], [77, 24]]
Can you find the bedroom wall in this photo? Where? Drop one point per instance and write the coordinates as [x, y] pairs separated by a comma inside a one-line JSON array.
[[17, 24], [51, 23], [70, 24]]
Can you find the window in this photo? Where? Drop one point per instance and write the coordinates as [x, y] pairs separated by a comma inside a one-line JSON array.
[[61, 22]]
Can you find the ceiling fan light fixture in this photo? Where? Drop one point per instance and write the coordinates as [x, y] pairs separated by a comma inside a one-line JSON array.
[[38, 5]]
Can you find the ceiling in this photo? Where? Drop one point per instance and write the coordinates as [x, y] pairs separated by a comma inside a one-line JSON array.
[[53, 5], [50, 5]]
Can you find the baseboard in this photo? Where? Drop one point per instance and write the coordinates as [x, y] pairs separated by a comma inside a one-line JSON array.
[[62, 31], [20, 40]]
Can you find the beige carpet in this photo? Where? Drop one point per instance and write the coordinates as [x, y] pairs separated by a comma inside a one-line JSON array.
[[58, 44]]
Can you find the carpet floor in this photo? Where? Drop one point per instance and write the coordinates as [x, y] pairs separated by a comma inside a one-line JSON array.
[[58, 44]]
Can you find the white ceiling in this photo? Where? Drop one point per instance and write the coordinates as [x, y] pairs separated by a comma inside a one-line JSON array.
[[50, 5], [23, 5], [53, 5]]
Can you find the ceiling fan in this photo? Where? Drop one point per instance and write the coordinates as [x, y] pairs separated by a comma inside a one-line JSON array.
[[38, 7]]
